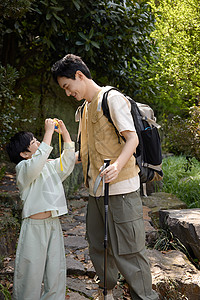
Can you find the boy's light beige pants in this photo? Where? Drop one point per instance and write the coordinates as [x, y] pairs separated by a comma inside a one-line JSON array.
[[40, 258], [126, 243]]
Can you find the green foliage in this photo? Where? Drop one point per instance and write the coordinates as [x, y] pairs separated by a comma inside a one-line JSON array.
[[171, 78], [178, 28], [182, 178], [5, 292], [8, 101], [14, 8], [106, 34], [183, 135], [110, 36], [166, 241], [13, 108]]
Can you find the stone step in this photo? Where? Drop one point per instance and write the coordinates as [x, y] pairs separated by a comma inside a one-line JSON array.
[[185, 225], [173, 275]]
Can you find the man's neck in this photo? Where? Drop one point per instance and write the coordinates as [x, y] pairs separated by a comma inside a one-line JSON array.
[[93, 90]]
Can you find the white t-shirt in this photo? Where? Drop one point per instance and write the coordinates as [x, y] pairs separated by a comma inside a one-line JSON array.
[[119, 108]]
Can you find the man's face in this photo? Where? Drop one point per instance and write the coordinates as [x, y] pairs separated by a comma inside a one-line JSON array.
[[73, 87], [34, 144]]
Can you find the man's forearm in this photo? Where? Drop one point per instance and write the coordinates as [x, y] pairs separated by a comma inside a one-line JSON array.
[[129, 148], [127, 151]]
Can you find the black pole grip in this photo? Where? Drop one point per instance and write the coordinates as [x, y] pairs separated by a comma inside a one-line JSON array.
[[106, 192]]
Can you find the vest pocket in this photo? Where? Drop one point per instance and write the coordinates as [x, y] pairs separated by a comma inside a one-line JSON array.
[[98, 128], [105, 137], [106, 142]]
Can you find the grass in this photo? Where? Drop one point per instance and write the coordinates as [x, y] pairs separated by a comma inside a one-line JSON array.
[[167, 241], [4, 292], [182, 178]]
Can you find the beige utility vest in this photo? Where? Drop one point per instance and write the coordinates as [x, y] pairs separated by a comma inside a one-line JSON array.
[[99, 141]]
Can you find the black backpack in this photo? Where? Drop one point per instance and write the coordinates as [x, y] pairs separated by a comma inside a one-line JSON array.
[[148, 153]]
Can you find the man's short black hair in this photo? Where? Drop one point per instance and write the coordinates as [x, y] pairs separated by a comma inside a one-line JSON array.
[[19, 143], [68, 66]]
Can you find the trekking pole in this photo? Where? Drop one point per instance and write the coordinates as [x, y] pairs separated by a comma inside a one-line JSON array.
[[106, 194]]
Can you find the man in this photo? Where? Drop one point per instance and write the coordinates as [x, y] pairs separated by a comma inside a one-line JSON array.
[[126, 235]]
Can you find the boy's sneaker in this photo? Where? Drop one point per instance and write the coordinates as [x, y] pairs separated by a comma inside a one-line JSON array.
[[100, 295]]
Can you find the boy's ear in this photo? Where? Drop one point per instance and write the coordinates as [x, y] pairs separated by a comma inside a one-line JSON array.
[[24, 154]]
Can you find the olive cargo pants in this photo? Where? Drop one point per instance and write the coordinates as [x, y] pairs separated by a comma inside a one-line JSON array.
[[126, 243]]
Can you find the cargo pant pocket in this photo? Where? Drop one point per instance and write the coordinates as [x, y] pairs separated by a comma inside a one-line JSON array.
[[128, 221], [130, 236]]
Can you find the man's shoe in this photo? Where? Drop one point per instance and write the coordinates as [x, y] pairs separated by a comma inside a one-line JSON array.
[[100, 295]]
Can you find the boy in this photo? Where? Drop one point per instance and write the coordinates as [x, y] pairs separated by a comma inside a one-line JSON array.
[[126, 235], [40, 255]]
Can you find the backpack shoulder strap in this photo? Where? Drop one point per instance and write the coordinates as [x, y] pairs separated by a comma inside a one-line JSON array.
[[104, 104], [137, 118], [106, 111]]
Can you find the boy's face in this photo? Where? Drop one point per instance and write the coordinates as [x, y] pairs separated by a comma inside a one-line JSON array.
[[73, 87], [34, 144]]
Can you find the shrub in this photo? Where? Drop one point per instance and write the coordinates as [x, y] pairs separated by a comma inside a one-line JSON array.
[[182, 136], [182, 178], [8, 100], [12, 107]]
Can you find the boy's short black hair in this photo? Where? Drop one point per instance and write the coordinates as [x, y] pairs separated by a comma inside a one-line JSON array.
[[68, 66], [19, 143]]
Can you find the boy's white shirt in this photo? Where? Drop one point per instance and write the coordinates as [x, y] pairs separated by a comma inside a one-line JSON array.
[[119, 108], [40, 181]]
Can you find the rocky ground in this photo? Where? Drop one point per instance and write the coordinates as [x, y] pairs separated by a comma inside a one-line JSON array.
[[82, 282], [174, 276]]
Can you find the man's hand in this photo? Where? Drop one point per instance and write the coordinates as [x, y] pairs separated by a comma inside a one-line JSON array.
[[112, 171]]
